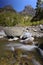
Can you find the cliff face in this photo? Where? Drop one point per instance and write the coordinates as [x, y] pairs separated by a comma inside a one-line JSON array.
[[7, 8], [28, 10]]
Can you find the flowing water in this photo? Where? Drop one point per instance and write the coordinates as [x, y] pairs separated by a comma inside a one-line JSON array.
[[16, 53]]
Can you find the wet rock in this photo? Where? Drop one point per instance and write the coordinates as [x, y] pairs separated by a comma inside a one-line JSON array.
[[2, 34], [41, 27], [41, 46], [27, 40], [13, 39], [26, 37], [26, 34]]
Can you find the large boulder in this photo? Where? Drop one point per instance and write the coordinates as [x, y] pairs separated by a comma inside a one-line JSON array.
[[13, 31]]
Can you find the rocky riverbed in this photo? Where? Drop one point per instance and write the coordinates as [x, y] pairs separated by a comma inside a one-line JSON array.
[[17, 31], [16, 53]]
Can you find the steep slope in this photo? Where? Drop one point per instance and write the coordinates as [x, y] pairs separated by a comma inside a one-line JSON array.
[[28, 10], [7, 8]]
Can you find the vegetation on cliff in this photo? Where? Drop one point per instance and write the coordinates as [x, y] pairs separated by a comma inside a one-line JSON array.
[[10, 17]]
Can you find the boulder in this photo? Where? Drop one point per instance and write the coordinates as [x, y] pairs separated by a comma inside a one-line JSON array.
[[13, 31]]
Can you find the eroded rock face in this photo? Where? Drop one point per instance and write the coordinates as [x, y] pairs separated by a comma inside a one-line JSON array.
[[28, 10]]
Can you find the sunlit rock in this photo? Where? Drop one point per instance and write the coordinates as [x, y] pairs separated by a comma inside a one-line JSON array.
[[13, 39]]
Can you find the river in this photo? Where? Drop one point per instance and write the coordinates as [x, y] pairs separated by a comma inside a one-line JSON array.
[[16, 53]]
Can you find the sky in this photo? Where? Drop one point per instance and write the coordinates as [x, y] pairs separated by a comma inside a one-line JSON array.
[[18, 5]]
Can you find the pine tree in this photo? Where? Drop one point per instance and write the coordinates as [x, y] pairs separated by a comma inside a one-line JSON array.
[[39, 11]]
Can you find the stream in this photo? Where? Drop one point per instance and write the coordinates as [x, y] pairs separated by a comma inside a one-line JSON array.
[[16, 53]]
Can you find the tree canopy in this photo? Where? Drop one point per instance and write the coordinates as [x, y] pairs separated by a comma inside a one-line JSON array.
[[39, 11]]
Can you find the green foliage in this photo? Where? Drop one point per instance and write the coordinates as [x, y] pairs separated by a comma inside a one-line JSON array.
[[10, 19], [39, 11]]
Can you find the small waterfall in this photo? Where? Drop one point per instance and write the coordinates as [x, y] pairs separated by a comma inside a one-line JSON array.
[[41, 52], [14, 45], [41, 46], [22, 47], [10, 48], [35, 62], [28, 47]]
